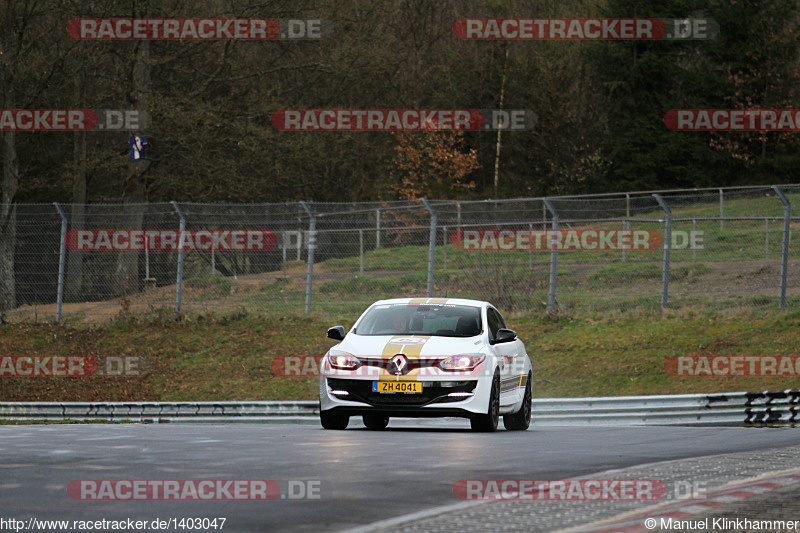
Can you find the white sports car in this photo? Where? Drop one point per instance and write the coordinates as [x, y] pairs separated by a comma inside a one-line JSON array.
[[423, 357]]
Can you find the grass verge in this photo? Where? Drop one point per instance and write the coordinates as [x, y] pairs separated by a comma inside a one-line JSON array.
[[229, 358]]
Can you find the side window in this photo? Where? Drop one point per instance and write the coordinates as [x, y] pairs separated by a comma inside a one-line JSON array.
[[495, 322]]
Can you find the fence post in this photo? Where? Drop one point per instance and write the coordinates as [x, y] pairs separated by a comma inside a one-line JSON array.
[[62, 259], [377, 228], [179, 277], [147, 260], [431, 245], [361, 251], [551, 298], [721, 212], [766, 241], [625, 225], [667, 246], [627, 205], [283, 256], [624, 254], [530, 247], [312, 245], [787, 219], [444, 247], [300, 231], [691, 240]]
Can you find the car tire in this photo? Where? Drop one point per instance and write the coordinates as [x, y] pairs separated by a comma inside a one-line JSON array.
[[488, 422], [333, 421], [521, 420], [375, 421]]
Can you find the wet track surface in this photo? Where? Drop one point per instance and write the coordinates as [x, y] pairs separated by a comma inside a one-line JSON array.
[[361, 476]]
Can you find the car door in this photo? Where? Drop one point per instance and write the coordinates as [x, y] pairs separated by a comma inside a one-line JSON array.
[[506, 352]]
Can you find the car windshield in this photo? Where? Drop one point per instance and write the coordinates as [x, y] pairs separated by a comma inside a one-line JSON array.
[[427, 319]]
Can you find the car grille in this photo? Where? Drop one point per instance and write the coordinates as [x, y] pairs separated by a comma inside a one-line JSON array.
[[432, 392]]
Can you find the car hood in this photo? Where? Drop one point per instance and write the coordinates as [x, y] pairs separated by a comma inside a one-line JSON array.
[[411, 345]]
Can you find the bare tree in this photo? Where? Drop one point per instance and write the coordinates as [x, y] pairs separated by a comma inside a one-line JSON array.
[[10, 180]]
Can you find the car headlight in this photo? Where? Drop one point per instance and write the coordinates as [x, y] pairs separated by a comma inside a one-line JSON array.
[[343, 360], [461, 362]]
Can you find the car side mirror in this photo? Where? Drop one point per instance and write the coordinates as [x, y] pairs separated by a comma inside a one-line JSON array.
[[336, 332], [505, 335]]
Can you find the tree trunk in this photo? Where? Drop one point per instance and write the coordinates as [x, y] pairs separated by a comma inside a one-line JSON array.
[[10, 178], [75, 263], [135, 193], [8, 222]]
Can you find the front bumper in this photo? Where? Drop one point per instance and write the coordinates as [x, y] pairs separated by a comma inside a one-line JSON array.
[[439, 398]]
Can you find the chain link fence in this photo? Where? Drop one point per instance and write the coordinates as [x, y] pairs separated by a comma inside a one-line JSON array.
[[720, 249]]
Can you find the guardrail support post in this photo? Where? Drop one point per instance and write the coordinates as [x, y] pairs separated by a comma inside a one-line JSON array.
[[787, 219], [179, 276], [431, 244], [62, 259], [551, 297], [667, 246], [312, 246]]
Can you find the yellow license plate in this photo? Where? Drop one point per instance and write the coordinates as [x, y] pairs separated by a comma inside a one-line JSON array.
[[413, 387]]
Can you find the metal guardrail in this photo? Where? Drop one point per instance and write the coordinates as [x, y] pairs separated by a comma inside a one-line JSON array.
[[156, 411], [779, 408], [773, 408]]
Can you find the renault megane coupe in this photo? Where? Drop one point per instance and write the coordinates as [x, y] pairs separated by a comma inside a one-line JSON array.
[[426, 357]]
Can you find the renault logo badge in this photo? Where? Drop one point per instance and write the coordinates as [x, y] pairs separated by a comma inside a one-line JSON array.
[[398, 364]]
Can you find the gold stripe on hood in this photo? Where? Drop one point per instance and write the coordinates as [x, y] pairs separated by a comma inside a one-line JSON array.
[[431, 301], [410, 350]]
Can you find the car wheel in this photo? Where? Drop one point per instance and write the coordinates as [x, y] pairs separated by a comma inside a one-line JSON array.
[[521, 420], [333, 421], [375, 421], [488, 422]]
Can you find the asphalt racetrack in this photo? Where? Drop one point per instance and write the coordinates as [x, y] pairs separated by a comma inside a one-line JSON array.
[[355, 477]]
